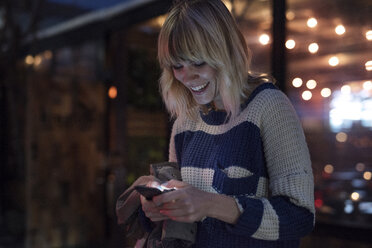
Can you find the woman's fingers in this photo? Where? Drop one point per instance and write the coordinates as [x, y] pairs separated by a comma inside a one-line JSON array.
[[151, 210], [184, 204], [153, 184], [173, 196], [181, 215], [175, 184]]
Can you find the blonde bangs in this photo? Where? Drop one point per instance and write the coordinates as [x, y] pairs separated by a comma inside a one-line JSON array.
[[184, 40]]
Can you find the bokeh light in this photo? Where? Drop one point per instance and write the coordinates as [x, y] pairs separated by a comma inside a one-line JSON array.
[[311, 84], [369, 65], [360, 167], [297, 82], [355, 196], [113, 92], [333, 61], [264, 39], [326, 92], [369, 35], [307, 95], [290, 15], [312, 22], [329, 168], [290, 44], [346, 89], [29, 59], [367, 175], [340, 30], [367, 85], [313, 48], [341, 137]]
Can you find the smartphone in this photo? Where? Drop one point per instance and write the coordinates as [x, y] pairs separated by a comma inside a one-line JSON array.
[[150, 192]]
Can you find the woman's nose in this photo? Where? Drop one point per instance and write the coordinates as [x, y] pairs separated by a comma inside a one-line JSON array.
[[188, 74]]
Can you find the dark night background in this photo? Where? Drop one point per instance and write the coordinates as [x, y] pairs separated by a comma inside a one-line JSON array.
[[81, 116]]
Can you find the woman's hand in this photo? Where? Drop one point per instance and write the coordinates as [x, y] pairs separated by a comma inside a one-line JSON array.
[[189, 204], [185, 204], [151, 210]]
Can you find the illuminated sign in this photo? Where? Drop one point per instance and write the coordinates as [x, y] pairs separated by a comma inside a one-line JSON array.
[[351, 105]]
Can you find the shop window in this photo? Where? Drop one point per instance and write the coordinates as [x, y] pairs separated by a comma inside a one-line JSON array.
[[329, 82]]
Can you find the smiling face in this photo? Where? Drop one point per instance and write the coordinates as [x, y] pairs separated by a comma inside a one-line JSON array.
[[200, 79]]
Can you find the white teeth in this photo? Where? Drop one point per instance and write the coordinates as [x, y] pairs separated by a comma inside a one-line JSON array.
[[198, 88]]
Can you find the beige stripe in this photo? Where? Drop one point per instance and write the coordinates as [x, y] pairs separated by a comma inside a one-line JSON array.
[[249, 114], [269, 228]]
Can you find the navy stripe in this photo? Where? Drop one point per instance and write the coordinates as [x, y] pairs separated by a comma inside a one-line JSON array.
[[294, 221], [241, 146]]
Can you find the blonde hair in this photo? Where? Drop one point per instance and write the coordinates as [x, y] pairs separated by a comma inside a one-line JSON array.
[[203, 30]]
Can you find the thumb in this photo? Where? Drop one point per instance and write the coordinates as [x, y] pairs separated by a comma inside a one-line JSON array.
[[175, 184], [153, 184]]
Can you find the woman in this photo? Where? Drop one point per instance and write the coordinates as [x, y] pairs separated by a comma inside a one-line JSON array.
[[245, 166]]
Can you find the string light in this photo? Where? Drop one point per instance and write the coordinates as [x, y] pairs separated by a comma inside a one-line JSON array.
[[290, 44], [311, 84], [369, 35], [325, 92], [312, 22], [297, 82], [313, 48], [290, 15], [340, 30], [333, 61], [264, 39], [346, 89], [307, 95], [369, 65]]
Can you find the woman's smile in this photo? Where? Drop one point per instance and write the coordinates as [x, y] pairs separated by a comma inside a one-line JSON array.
[[199, 89], [200, 79]]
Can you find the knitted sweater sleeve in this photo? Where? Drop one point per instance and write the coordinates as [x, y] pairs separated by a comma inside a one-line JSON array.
[[172, 149], [288, 213]]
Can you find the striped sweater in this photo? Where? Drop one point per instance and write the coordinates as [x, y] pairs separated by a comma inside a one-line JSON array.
[[261, 159]]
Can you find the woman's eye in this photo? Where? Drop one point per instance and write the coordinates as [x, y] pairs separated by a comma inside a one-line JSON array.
[[176, 67], [198, 64]]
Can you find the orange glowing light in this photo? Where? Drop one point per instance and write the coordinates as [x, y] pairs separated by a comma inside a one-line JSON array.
[[329, 168], [367, 175], [113, 92]]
